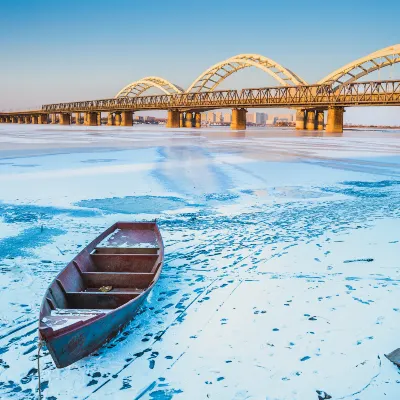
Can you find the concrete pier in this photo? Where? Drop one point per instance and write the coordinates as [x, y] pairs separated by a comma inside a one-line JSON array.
[[27, 119], [77, 118], [99, 118], [34, 119], [197, 120], [320, 120], [126, 118], [20, 120], [117, 118], [335, 120], [189, 120], [310, 120], [173, 119], [53, 118], [181, 120], [42, 119], [238, 119], [300, 119], [91, 119], [65, 119], [110, 119]]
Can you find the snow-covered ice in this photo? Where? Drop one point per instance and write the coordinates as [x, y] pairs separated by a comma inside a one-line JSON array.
[[282, 260]]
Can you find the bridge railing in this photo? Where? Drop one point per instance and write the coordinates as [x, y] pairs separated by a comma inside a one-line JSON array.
[[357, 93]]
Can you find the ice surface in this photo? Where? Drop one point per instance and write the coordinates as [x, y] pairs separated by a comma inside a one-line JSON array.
[[282, 265]]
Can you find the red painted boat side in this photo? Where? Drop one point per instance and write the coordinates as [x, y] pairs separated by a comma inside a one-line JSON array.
[[76, 319]]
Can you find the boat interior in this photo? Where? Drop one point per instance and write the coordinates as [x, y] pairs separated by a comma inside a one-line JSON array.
[[114, 269]]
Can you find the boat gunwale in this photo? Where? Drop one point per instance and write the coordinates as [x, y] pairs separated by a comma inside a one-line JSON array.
[[77, 326]]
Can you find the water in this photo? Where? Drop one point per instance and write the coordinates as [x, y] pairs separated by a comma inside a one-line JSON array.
[[281, 274]]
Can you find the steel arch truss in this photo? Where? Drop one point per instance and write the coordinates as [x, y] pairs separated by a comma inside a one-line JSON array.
[[136, 88], [213, 76], [363, 66]]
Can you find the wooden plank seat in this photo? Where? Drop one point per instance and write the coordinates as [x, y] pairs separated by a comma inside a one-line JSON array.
[[93, 298], [124, 263], [139, 280], [126, 250]]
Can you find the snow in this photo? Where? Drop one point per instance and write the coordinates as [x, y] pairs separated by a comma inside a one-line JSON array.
[[281, 259]]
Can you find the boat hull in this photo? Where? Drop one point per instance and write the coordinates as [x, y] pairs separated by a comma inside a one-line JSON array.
[[73, 346]]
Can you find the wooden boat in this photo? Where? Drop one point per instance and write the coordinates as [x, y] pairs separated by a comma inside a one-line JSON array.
[[100, 290]]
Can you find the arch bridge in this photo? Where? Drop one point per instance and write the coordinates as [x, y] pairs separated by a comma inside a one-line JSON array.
[[338, 90]]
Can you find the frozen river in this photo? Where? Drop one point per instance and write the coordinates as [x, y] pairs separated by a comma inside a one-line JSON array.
[[282, 260]]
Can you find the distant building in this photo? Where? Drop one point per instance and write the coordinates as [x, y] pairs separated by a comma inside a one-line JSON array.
[[211, 117], [261, 118], [219, 117], [251, 118], [227, 118], [203, 117]]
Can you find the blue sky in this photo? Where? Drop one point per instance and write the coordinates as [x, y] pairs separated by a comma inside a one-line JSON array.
[[75, 50]]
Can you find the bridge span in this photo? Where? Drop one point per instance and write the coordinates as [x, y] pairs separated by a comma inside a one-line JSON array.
[[333, 93]]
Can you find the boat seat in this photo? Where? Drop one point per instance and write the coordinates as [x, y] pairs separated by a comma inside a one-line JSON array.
[[124, 262], [139, 280], [92, 298]]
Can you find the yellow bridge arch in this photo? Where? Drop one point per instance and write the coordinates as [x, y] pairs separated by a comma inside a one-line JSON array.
[[136, 88], [363, 66], [214, 75]]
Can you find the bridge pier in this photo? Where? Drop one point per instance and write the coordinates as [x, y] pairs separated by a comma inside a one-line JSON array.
[[197, 120], [173, 119], [99, 118], [181, 120], [27, 119], [189, 119], [110, 119], [65, 119], [20, 119], [34, 119], [335, 120], [53, 118], [91, 119], [42, 119], [238, 119], [300, 119], [310, 120], [118, 119], [320, 120], [77, 118], [126, 118]]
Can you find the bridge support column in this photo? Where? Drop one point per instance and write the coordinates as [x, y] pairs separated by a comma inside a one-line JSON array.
[[53, 118], [27, 119], [238, 119], [20, 120], [300, 119], [189, 119], [77, 118], [65, 119], [310, 120], [320, 120], [91, 118], [117, 118], [99, 118], [197, 120], [42, 119], [34, 119], [110, 119], [335, 120], [173, 119], [126, 118], [181, 120]]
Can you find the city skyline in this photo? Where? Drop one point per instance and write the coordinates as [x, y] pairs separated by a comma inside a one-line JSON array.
[[92, 54]]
